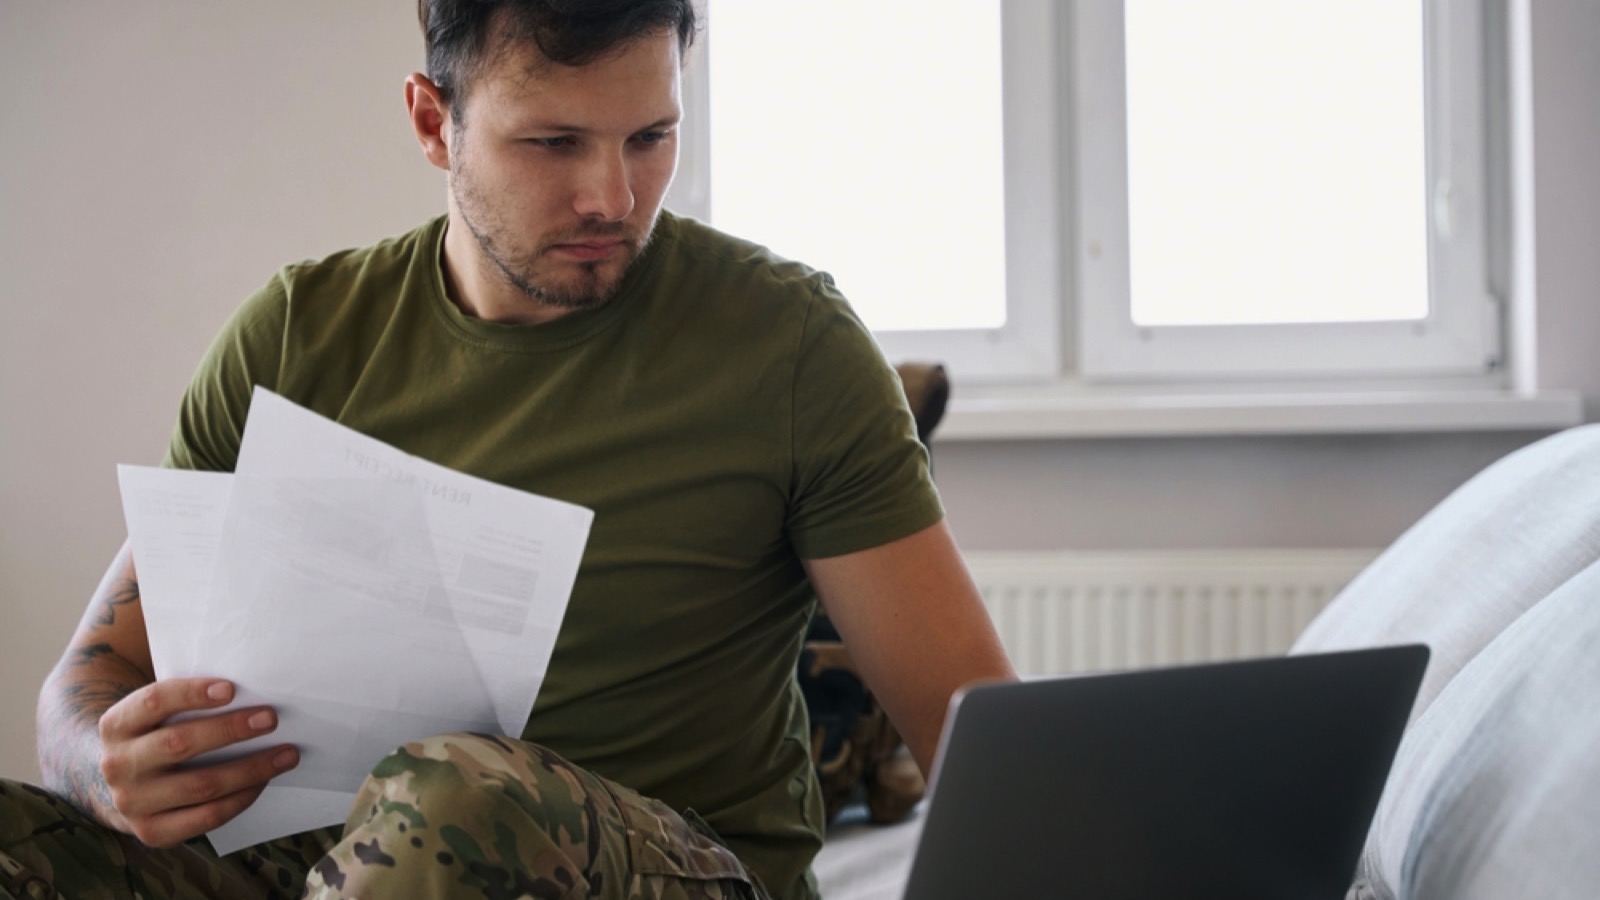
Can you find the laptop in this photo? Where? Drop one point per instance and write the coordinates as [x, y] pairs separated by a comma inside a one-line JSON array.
[[1252, 779]]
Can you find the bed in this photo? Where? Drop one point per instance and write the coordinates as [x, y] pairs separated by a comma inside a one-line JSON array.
[[863, 861]]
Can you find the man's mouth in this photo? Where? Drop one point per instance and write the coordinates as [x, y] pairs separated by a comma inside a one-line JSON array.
[[590, 250]]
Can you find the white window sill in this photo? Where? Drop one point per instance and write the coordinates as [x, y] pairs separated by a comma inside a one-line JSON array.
[[999, 415]]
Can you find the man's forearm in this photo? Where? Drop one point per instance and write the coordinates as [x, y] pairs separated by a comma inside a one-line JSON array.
[[76, 694], [90, 679]]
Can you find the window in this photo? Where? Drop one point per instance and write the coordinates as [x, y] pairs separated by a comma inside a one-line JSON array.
[[920, 137], [910, 154], [1281, 189], [1029, 190]]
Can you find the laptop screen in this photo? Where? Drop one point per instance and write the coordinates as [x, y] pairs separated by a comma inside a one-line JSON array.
[[1244, 779]]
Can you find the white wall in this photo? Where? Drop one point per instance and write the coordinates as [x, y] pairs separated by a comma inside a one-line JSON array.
[[162, 159]]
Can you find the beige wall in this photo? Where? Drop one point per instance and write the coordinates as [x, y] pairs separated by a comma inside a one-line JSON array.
[[162, 157]]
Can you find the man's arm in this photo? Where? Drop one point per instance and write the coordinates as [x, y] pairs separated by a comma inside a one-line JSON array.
[[100, 668], [916, 627], [104, 741]]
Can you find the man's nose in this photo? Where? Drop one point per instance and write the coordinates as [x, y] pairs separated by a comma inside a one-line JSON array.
[[604, 191]]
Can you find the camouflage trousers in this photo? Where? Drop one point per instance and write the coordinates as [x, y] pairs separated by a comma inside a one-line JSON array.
[[453, 816]]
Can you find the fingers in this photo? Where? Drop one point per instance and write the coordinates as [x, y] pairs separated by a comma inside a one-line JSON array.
[[180, 742], [149, 706], [177, 789], [134, 761], [173, 827], [162, 801]]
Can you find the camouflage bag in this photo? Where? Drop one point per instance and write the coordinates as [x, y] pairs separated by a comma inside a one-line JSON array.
[[855, 748], [857, 752]]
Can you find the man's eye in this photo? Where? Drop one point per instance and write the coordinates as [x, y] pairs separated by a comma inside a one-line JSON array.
[[653, 137], [554, 143]]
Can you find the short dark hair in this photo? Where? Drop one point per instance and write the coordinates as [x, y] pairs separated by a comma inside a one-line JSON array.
[[460, 35]]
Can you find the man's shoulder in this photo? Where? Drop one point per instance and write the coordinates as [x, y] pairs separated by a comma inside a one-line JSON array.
[[701, 251], [347, 297], [383, 265]]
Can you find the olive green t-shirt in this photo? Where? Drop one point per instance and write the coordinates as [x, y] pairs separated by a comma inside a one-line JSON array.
[[725, 415]]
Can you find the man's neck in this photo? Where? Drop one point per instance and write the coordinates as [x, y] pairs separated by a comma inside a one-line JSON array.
[[480, 290]]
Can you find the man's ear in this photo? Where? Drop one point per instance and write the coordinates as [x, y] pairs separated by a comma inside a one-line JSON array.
[[430, 119]]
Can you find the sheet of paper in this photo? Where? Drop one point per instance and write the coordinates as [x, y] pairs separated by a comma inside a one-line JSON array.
[[174, 520], [372, 598], [280, 811]]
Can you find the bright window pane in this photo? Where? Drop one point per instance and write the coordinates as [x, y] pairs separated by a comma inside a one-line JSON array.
[[864, 138], [1276, 167]]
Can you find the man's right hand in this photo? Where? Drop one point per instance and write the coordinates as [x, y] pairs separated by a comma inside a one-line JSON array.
[[107, 740], [160, 797]]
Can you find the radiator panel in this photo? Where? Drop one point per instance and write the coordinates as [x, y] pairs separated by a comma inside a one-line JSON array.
[[1061, 613]]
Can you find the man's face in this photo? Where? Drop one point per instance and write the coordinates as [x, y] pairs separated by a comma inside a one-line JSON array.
[[559, 172]]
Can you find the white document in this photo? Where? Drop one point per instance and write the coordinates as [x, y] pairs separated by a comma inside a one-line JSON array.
[[370, 596], [174, 522]]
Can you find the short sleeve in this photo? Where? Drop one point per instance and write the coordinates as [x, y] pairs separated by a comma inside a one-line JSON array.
[[247, 352], [861, 476]]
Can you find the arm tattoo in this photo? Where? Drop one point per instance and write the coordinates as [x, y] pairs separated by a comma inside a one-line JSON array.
[[89, 680], [79, 780], [126, 592], [69, 740], [84, 656], [87, 701]]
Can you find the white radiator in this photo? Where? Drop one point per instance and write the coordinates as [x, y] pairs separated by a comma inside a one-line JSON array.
[[1059, 613]]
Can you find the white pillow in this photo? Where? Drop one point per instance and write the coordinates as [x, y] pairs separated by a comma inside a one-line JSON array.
[[1492, 549], [1495, 793]]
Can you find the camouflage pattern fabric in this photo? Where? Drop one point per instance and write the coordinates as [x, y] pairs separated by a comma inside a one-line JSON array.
[[482, 816], [48, 849], [454, 816], [857, 752]]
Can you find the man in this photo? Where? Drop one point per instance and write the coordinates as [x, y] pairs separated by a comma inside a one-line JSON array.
[[721, 410]]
